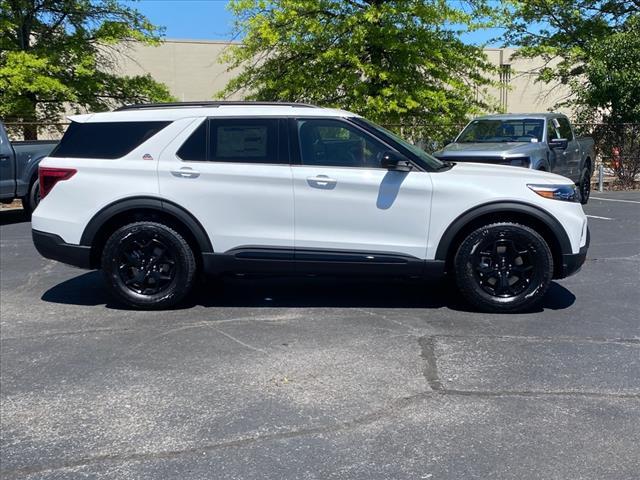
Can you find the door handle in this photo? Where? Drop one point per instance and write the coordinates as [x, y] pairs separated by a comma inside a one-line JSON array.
[[185, 172], [322, 181]]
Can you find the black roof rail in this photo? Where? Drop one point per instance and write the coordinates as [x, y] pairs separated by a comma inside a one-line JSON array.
[[222, 103]]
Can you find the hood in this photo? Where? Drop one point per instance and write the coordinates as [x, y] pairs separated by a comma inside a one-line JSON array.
[[485, 149], [509, 174]]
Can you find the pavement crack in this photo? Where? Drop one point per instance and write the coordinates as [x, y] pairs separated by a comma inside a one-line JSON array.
[[430, 370], [239, 342]]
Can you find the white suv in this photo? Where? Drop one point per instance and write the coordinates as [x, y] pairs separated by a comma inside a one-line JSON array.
[[154, 194]]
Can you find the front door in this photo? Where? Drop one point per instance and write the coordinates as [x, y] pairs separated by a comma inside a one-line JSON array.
[[572, 152], [233, 175], [347, 208], [557, 156], [7, 167]]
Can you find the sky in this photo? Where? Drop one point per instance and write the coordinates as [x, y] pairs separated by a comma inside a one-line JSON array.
[[210, 20]]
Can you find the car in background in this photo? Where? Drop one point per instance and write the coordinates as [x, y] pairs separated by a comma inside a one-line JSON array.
[[539, 141], [19, 169]]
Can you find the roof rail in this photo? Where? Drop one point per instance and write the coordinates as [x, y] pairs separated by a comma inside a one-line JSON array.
[[222, 103]]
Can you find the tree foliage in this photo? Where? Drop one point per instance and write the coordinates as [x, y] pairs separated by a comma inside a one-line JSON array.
[[580, 40], [60, 53], [385, 59]]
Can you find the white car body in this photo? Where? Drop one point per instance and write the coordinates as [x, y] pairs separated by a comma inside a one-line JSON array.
[[292, 206]]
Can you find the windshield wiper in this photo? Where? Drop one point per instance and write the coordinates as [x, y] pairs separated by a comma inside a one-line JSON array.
[[446, 165]]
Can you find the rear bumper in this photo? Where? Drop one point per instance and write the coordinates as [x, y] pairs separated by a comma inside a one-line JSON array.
[[52, 246], [572, 262]]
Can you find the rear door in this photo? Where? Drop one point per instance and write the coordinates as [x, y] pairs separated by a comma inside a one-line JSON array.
[[348, 210], [233, 175]]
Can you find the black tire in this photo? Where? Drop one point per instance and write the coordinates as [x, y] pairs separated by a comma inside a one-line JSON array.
[[148, 265], [503, 267], [31, 201], [584, 184]]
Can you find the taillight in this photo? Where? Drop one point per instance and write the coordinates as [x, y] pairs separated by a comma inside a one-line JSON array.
[[50, 176]]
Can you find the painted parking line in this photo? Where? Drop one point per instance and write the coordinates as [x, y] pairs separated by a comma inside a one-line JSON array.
[[601, 218], [613, 200]]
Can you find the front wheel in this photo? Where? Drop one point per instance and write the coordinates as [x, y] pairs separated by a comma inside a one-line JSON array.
[[503, 267], [148, 265]]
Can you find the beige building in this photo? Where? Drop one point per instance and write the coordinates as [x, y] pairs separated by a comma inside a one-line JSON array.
[[192, 71]]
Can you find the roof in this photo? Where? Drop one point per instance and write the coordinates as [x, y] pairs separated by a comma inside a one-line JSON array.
[[505, 116], [175, 111]]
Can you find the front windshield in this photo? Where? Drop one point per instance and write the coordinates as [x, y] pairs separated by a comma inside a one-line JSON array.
[[432, 162], [512, 130]]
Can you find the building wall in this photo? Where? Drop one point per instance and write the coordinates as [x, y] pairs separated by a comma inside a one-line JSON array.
[[192, 71]]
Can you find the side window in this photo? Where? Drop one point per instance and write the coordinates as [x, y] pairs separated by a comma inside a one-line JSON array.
[[195, 148], [332, 143], [565, 128], [105, 140], [244, 141]]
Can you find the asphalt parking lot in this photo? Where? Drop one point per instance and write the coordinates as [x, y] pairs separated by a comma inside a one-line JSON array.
[[323, 378]]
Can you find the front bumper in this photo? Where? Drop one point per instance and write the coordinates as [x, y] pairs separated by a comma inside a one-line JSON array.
[[572, 262], [52, 246]]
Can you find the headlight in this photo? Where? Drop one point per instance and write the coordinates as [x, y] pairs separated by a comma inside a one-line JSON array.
[[517, 162], [568, 193]]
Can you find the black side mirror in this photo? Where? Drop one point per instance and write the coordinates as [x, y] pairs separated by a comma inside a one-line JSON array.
[[394, 161], [559, 143]]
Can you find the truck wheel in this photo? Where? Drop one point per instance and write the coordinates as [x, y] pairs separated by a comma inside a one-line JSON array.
[[585, 185], [148, 265], [503, 267], [32, 199]]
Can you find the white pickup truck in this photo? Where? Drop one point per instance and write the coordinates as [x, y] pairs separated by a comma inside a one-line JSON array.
[[540, 141]]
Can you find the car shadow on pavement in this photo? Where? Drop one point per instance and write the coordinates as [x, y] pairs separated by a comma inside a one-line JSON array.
[[299, 292], [9, 217]]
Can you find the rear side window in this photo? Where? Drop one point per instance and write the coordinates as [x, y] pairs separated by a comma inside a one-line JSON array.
[[236, 140], [195, 148], [105, 139], [565, 128]]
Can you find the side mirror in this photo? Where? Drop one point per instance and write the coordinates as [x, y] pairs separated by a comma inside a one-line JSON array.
[[394, 161], [559, 143]]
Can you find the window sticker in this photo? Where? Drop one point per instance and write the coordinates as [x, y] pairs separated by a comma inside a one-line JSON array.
[[241, 141]]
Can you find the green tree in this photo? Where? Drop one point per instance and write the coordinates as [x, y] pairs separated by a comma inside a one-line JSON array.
[[63, 53], [576, 38], [385, 59]]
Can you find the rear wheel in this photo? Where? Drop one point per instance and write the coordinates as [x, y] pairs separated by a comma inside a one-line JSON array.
[[32, 199], [503, 267], [148, 265], [585, 185]]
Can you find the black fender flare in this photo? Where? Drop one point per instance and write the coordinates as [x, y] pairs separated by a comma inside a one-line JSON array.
[[502, 207], [147, 203]]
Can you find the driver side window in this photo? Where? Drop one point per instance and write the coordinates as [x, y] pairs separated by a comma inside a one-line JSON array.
[[332, 143]]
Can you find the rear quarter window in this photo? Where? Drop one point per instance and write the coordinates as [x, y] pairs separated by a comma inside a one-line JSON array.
[[106, 140]]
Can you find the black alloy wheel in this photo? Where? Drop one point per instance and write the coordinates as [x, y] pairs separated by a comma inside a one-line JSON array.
[[148, 265], [503, 267], [145, 263]]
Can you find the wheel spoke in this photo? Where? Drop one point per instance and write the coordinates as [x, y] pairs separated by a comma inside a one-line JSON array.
[[504, 266], [145, 264]]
